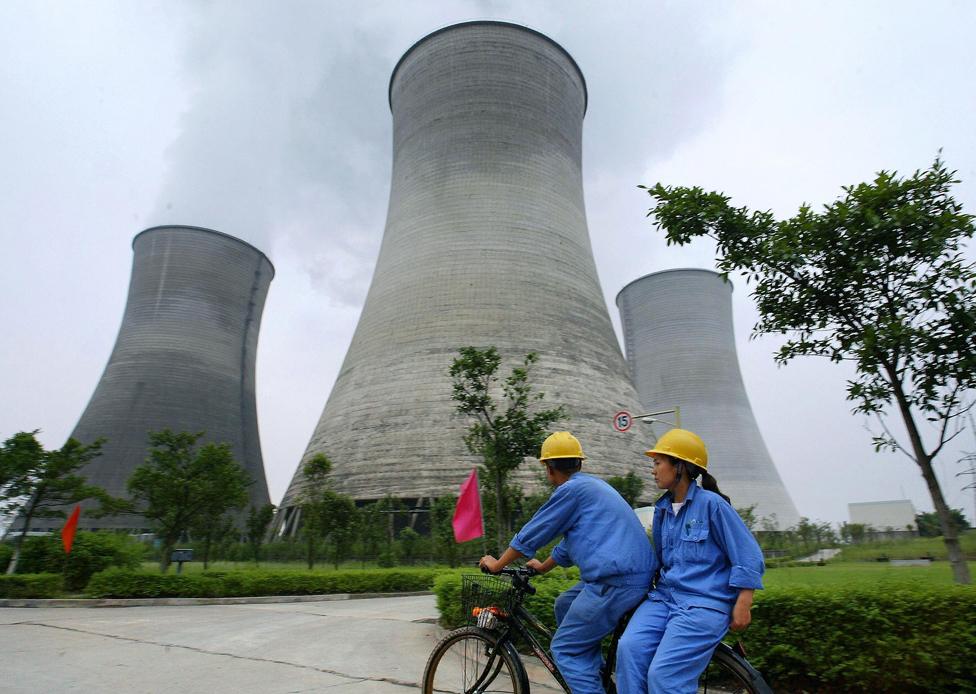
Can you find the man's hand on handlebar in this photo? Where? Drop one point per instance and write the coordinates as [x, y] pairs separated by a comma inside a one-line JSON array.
[[539, 566], [490, 564]]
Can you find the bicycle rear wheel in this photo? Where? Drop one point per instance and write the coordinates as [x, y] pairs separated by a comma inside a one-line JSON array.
[[729, 673], [472, 661]]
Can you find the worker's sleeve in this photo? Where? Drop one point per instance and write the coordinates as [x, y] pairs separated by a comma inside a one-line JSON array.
[[555, 516], [741, 548], [560, 555]]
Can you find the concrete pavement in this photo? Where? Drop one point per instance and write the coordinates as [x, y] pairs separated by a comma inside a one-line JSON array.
[[347, 647]]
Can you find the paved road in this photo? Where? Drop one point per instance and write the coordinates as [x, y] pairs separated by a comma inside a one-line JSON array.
[[342, 647]]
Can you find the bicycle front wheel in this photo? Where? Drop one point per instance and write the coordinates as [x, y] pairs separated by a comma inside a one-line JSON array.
[[729, 673], [472, 661]]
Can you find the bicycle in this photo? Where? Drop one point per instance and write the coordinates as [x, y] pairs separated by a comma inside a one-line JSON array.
[[483, 658]]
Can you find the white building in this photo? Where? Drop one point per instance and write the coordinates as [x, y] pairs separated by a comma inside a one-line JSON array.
[[897, 515]]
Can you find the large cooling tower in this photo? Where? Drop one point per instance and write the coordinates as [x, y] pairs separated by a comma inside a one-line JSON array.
[[485, 244], [680, 346], [184, 356]]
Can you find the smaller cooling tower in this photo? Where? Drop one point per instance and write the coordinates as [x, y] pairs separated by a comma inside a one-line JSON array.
[[184, 357], [680, 347]]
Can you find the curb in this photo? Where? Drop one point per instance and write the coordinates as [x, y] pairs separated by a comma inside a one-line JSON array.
[[183, 602]]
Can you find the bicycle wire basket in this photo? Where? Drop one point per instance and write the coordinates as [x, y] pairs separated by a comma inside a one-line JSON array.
[[482, 591]]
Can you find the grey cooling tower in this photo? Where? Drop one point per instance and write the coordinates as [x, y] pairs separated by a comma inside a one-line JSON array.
[[184, 356], [485, 244], [680, 346]]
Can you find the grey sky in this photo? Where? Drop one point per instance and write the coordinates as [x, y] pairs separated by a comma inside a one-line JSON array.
[[269, 121]]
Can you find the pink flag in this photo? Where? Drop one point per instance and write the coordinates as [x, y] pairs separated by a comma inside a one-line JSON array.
[[68, 531], [467, 514]]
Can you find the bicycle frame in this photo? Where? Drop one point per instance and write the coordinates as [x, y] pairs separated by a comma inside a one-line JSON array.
[[521, 624]]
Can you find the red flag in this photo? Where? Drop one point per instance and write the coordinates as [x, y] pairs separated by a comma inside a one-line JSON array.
[[68, 531], [467, 514]]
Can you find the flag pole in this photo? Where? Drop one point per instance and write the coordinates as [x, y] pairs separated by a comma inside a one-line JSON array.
[[484, 529]]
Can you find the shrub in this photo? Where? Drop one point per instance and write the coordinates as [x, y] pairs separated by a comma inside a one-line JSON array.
[[30, 586], [6, 552], [117, 583], [887, 638], [864, 639], [447, 589], [91, 552]]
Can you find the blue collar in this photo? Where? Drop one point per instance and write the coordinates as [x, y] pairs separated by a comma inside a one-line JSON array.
[[665, 501]]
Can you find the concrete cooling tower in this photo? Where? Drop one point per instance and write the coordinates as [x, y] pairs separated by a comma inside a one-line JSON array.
[[485, 244], [184, 357], [680, 346]]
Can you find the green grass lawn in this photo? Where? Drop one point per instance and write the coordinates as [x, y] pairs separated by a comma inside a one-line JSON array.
[[197, 566], [908, 549], [867, 574]]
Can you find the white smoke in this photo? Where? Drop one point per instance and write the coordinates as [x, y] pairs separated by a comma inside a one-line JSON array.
[[286, 140]]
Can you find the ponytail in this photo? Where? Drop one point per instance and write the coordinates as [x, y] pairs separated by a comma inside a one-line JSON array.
[[707, 481]]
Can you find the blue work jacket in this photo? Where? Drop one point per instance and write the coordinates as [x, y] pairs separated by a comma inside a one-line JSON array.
[[601, 533], [705, 554]]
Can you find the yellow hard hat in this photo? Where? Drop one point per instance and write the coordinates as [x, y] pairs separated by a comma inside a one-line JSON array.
[[562, 444], [684, 445]]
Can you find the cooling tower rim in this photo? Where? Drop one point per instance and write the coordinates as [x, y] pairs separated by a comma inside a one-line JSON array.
[[208, 231], [664, 272], [487, 22]]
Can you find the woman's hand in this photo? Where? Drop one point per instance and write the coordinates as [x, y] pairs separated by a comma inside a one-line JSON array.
[[742, 611]]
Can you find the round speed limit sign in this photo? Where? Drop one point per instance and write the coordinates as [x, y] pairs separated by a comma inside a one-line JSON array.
[[622, 421]]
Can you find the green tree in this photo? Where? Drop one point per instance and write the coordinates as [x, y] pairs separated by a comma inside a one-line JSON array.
[[211, 528], [327, 516], [748, 516], [442, 529], [314, 508], [258, 520], [342, 529], [502, 438], [928, 523], [629, 487], [409, 542], [879, 279], [854, 533], [806, 532], [180, 483], [39, 483], [372, 530]]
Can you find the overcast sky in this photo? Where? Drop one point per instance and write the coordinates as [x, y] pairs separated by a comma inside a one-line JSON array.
[[269, 121]]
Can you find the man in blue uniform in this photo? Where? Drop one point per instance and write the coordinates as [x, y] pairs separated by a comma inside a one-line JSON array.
[[604, 538]]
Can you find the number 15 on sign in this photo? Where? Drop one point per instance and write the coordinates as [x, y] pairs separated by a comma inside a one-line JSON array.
[[622, 421]]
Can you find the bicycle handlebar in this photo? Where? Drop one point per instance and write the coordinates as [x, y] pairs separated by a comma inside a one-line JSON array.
[[520, 577]]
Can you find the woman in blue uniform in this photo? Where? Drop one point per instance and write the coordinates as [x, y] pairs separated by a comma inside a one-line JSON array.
[[707, 565], [603, 537]]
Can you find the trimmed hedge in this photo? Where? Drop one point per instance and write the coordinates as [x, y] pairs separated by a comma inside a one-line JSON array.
[[31, 586], [866, 640], [447, 588], [91, 552], [831, 639], [117, 583]]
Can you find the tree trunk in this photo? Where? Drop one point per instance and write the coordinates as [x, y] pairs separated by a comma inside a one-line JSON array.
[[960, 570], [28, 516], [164, 560], [310, 551], [206, 551]]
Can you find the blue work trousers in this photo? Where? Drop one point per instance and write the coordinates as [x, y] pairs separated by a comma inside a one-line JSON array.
[[666, 648], [585, 614]]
